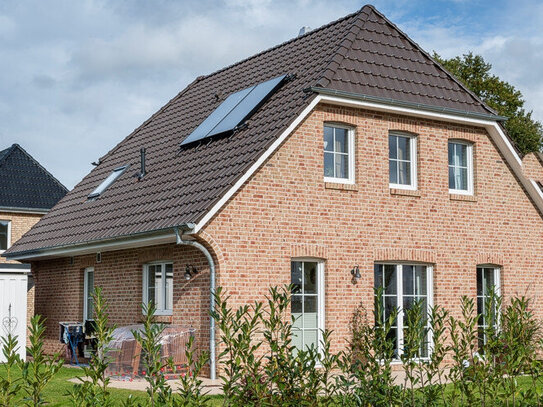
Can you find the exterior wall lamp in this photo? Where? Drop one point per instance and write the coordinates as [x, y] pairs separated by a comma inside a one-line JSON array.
[[190, 271], [355, 272]]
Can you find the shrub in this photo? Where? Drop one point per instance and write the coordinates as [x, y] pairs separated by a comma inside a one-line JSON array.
[[93, 389], [9, 385], [367, 373], [39, 369], [190, 386], [261, 365], [158, 390]]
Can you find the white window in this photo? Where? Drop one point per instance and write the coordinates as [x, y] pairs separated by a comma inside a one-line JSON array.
[[158, 286], [402, 161], [5, 235], [460, 168], [402, 285], [88, 290], [117, 172], [338, 154], [488, 281], [307, 307]]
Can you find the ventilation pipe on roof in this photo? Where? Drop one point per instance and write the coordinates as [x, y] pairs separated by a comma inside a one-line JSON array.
[[180, 241], [304, 30], [142, 172]]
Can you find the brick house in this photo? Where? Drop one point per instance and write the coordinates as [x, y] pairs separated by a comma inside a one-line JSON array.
[[339, 160], [27, 192]]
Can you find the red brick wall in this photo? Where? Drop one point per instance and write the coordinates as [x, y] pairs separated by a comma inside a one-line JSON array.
[[286, 211], [59, 289]]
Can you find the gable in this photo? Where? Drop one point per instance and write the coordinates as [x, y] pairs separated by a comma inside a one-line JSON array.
[[25, 184]]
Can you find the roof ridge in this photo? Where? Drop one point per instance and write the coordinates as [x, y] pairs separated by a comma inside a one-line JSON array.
[[314, 31], [346, 44], [15, 146], [420, 49]]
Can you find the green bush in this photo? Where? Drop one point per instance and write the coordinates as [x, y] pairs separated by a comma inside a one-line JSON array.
[[261, 366], [492, 364], [93, 389], [9, 385], [39, 368]]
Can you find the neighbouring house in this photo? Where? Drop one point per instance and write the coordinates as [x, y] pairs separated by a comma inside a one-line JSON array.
[[341, 160], [27, 192]]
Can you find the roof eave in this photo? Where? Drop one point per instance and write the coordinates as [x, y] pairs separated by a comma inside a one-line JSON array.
[[142, 239], [14, 209], [400, 103]]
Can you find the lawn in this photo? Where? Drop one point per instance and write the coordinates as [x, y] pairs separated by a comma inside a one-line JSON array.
[[56, 391]]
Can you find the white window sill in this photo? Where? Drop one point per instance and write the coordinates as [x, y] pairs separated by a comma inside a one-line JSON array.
[[402, 186], [460, 192], [462, 197], [339, 180], [405, 192]]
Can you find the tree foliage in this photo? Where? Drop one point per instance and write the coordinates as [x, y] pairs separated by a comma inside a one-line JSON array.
[[475, 73]]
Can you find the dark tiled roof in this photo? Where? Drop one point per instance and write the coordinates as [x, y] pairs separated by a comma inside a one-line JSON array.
[[24, 183], [361, 53]]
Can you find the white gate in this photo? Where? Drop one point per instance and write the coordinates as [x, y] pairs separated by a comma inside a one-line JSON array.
[[13, 288]]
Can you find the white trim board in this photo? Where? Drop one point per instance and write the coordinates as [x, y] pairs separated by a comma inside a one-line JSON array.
[[276, 144], [105, 246], [493, 128]]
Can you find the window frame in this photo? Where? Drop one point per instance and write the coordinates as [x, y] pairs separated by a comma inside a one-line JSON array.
[[399, 303], [321, 300], [413, 186], [469, 162], [86, 292], [351, 154], [497, 288], [113, 176], [145, 285], [6, 222]]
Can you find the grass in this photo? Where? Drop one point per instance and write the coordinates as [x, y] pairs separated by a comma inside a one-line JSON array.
[[57, 389]]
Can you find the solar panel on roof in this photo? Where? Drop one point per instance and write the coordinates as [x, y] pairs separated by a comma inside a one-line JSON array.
[[234, 110]]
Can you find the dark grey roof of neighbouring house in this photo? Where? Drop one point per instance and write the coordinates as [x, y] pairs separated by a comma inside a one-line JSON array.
[[361, 53], [25, 184]]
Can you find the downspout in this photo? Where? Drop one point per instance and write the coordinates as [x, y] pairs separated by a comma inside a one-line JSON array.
[[180, 241]]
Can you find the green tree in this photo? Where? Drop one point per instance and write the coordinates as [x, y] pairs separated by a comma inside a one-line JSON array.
[[474, 72]]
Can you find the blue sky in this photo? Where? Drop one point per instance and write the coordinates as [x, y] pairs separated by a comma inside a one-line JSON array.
[[78, 76]]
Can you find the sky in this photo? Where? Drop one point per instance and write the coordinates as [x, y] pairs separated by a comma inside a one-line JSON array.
[[78, 76]]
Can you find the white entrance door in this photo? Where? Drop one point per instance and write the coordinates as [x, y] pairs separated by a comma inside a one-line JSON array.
[[13, 288]]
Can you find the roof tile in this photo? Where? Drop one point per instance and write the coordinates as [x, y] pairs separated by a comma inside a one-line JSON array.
[[361, 53]]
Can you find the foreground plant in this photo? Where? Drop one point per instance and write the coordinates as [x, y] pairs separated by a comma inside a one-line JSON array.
[[261, 365], [431, 371], [39, 369], [158, 390], [9, 385], [367, 377], [190, 393], [242, 377], [93, 389]]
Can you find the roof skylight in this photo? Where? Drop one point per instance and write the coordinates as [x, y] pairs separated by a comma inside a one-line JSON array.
[[234, 110], [116, 173]]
